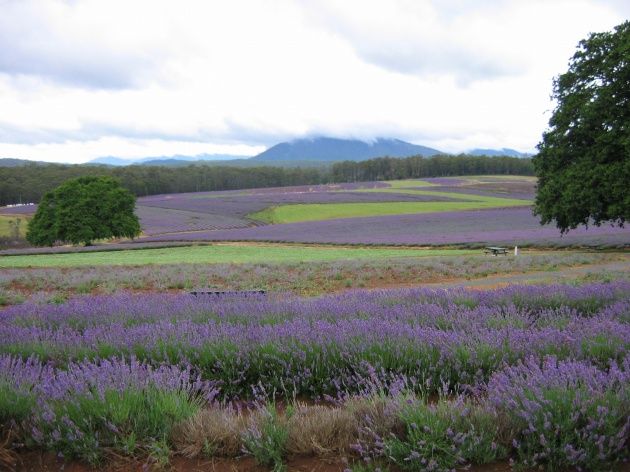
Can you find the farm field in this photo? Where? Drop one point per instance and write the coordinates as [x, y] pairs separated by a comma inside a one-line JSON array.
[[476, 228], [478, 210], [472, 211], [364, 352], [485, 373], [319, 212], [313, 278], [6, 228], [220, 253]]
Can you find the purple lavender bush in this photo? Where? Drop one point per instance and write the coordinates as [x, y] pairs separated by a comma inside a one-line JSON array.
[[442, 436], [87, 407], [566, 413]]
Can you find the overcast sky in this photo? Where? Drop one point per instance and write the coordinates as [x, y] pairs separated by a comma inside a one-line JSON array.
[[81, 79]]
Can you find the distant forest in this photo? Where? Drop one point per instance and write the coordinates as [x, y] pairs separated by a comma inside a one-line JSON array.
[[29, 183]]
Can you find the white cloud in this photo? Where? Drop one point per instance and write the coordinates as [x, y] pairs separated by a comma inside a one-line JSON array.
[[79, 151], [157, 76]]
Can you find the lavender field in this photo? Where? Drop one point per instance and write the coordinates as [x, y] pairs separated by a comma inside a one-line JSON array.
[[74, 374], [227, 216], [506, 226], [214, 211], [341, 358], [499, 226]]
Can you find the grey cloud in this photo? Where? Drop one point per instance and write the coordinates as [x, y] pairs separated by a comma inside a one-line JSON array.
[[418, 51], [436, 59], [31, 45], [233, 133], [14, 135]]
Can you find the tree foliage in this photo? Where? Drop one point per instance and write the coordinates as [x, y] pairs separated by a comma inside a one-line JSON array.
[[30, 182], [583, 163], [391, 168], [83, 210]]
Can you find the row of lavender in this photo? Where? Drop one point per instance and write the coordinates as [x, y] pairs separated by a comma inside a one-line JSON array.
[[118, 371], [329, 346], [542, 413]]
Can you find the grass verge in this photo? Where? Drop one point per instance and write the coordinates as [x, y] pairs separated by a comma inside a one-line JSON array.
[[216, 254]]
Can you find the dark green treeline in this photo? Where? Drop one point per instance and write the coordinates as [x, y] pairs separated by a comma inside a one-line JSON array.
[[29, 183]]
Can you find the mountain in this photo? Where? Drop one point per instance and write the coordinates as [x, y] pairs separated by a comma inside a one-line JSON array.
[[179, 160], [498, 152], [9, 162], [109, 161], [334, 149], [176, 160]]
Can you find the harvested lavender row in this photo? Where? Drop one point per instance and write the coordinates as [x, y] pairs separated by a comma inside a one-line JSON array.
[[331, 345], [331, 276]]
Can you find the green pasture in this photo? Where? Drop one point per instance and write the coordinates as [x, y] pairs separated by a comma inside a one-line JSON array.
[[224, 253], [330, 211], [408, 183], [6, 227], [294, 213]]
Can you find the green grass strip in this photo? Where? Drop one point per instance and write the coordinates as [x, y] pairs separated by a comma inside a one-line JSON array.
[[217, 254], [6, 229], [330, 211]]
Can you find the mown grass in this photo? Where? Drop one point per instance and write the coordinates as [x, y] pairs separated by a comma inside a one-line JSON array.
[[7, 228], [330, 211], [409, 183], [216, 254], [483, 201], [327, 211]]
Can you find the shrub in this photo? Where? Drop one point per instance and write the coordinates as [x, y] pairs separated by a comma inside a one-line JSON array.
[[566, 413], [266, 438], [443, 436], [127, 420]]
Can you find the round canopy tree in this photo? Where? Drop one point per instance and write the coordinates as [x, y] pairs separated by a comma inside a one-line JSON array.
[[83, 210], [583, 164]]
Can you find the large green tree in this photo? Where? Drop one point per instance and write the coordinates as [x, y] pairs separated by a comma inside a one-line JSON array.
[[583, 164], [83, 210]]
